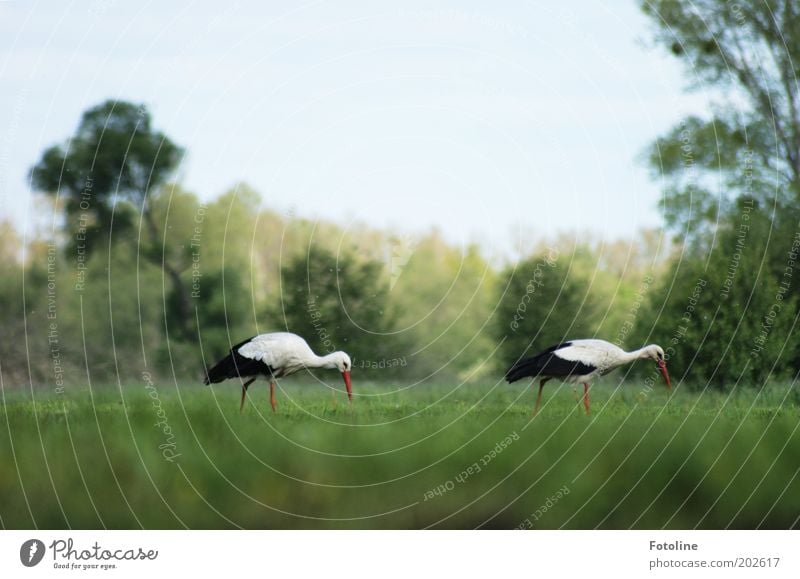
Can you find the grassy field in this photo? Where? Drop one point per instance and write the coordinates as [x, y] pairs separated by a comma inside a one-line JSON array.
[[427, 456]]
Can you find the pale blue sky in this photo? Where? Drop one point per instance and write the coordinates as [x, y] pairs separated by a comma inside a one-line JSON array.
[[498, 123]]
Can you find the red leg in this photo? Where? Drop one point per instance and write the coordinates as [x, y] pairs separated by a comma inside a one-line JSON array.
[[539, 396], [244, 393], [586, 396], [272, 395]]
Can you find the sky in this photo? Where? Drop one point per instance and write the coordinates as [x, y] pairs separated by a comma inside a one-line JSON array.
[[496, 123]]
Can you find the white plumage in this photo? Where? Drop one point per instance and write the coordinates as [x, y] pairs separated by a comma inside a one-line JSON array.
[[603, 356], [284, 352], [275, 355], [580, 361]]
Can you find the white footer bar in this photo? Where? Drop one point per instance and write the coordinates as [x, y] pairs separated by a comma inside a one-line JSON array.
[[402, 554]]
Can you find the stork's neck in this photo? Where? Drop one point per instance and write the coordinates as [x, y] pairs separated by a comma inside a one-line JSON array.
[[327, 361], [636, 355]]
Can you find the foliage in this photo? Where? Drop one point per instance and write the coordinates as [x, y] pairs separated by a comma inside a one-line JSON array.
[[339, 302], [745, 157], [115, 155], [751, 146], [106, 174], [542, 303], [723, 318], [444, 296]]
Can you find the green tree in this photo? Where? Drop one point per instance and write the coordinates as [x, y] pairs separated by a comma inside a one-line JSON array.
[[109, 172], [339, 302], [541, 303], [750, 145], [444, 296], [746, 153], [722, 317]]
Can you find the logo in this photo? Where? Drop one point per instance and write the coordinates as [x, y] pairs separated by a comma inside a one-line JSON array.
[[31, 552]]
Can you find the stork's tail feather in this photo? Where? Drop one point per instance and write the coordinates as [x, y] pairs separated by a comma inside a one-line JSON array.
[[525, 368], [222, 370]]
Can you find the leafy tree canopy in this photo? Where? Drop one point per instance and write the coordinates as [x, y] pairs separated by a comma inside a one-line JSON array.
[[115, 155], [340, 302], [750, 145]]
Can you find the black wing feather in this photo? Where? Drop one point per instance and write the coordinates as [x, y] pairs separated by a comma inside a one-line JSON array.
[[547, 363], [235, 365]]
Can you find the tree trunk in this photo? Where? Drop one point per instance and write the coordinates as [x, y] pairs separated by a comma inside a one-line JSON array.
[[181, 290], [184, 303]]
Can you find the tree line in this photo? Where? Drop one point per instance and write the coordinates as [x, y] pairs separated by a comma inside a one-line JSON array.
[[139, 275]]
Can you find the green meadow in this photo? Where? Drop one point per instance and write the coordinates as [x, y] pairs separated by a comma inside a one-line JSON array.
[[426, 456]]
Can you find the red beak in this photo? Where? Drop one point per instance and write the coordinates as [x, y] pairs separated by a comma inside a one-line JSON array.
[[662, 365], [348, 385]]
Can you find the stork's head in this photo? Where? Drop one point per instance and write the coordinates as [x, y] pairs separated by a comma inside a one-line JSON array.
[[656, 353], [341, 362]]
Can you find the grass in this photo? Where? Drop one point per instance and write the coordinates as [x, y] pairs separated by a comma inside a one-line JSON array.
[[428, 456]]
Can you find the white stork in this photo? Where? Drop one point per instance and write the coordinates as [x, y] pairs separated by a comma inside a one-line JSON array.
[[580, 361], [273, 356]]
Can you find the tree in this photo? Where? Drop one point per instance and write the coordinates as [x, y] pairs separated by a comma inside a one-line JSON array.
[[106, 174], [743, 157], [750, 146], [541, 303], [723, 318], [339, 302], [445, 296]]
